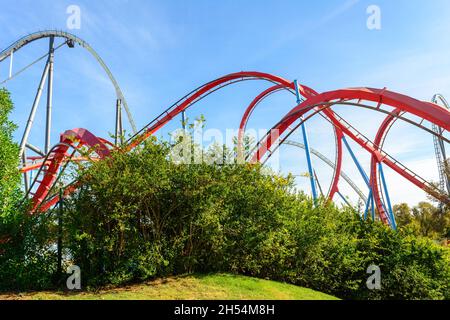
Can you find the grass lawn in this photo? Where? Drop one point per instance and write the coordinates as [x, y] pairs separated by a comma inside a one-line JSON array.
[[195, 287]]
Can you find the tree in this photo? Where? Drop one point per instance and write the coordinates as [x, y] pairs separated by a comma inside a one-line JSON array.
[[9, 157], [27, 259], [140, 215], [425, 219], [404, 217]]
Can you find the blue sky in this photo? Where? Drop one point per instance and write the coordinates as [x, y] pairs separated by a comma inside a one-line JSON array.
[[160, 50]]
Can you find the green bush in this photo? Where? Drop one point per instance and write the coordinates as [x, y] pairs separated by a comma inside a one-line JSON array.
[[28, 258], [140, 215]]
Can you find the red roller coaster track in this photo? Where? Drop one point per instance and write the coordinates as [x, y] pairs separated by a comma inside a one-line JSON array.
[[311, 103], [321, 103], [424, 110]]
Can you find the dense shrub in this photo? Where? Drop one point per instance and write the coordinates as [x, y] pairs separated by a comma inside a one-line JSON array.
[[139, 215], [145, 214], [9, 157], [26, 254]]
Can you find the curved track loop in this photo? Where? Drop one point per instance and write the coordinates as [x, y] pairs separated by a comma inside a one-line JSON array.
[[439, 147], [205, 90], [380, 138], [77, 138], [158, 123], [320, 103], [374, 174], [334, 186], [74, 39], [425, 110]]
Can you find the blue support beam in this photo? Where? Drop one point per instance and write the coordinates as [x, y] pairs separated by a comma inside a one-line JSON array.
[[355, 160], [183, 119], [307, 150], [373, 207], [388, 200], [369, 199], [343, 198], [31, 177]]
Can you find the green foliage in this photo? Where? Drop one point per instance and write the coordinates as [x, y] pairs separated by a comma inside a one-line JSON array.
[[27, 257], [425, 220], [9, 160], [26, 252], [192, 287], [157, 211], [141, 215]]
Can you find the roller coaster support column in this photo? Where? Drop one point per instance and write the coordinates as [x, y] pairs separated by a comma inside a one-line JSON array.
[[11, 58], [119, 129], [365, 177], [49, 95], [183, 120], [370, 204], [388, 200], [25, 174], [307, 151], [33, 110], [369, 199], [343, 198], [60, 231]]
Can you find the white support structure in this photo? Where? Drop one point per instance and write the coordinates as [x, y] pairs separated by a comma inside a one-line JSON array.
[[48, 121], [11, 57], [33, 110]]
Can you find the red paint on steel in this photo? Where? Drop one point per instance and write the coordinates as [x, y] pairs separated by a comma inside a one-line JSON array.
[[310, 92], [429, 111], [382, 130], [425, 110], [77, 138]]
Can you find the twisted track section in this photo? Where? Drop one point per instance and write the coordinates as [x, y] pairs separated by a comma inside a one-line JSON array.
[[424, 110], [313, 103], [337, 132], [77, 139], [72, 39], [165, 117]]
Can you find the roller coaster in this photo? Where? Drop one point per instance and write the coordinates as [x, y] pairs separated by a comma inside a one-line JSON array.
[[44, 168]]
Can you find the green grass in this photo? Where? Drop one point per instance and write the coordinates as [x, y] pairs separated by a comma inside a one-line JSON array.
[[195, 287]]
